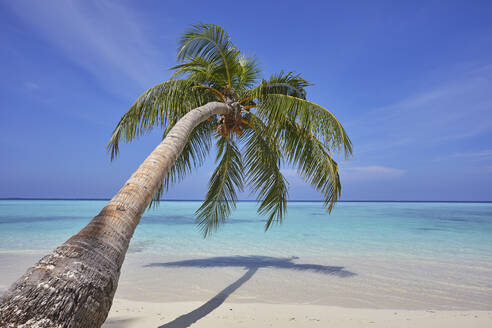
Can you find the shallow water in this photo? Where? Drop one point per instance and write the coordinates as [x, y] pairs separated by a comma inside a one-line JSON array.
[[423, 230], [374, 255]]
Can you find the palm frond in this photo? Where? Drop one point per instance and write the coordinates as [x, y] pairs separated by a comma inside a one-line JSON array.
[[224, 182], [313, 161], [201, 71], [262, 158], [192, 65], [280, 83], [161, 104], [245, 74], [210, 42], [319, 121]]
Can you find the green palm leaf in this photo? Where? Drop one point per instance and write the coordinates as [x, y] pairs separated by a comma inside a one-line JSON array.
[[225, 180], [263, 158], [320, 122], [201, 71], [281, 83], [212, 43], [161, 105], [246, 74], [313, 161]]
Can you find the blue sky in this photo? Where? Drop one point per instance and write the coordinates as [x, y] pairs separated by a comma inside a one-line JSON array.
[[410, 80]]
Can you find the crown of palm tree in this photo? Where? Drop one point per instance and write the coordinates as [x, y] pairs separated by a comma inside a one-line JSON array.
[[271, 123]]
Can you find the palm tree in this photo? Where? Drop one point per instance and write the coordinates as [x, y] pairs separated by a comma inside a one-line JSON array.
[[214, 96]]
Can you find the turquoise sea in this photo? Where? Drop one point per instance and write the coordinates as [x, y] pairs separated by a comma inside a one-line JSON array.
[[389, 229]]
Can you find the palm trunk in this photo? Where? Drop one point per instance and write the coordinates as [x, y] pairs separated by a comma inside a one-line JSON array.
[[74, 285]]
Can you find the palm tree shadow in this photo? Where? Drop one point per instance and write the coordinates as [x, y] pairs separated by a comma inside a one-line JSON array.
[[188, 319], [251, 264]]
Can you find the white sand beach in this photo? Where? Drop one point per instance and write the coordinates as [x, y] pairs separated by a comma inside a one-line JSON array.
[[162, 291], [128, 314]]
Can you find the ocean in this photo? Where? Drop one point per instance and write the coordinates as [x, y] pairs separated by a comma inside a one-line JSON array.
[[399, 229], [406, 255]]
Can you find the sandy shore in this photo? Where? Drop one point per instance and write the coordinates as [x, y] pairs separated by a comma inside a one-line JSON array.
[[128, 314], [262, 291]]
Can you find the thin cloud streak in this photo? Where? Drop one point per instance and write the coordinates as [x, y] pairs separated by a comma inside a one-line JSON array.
[[478, 155], [31, 85], [104, 38], [455, 110]]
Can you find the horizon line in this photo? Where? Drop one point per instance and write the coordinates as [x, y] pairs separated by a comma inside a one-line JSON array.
[[253, 200]]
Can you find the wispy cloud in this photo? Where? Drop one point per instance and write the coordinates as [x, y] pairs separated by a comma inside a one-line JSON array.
[[31, 85], [103, 37], [457, 109], [480, 154], [374, 172], [477, 155]]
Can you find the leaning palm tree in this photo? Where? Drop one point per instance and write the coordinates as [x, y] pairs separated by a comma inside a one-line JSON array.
[[214, 97]]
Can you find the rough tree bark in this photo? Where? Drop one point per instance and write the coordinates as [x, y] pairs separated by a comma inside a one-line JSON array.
[[74, 285]]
